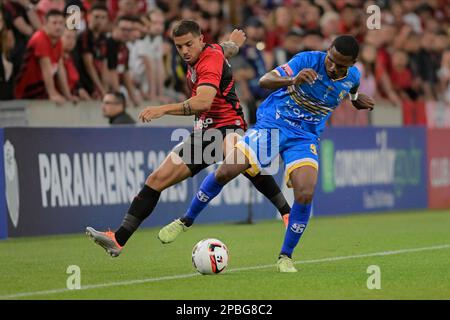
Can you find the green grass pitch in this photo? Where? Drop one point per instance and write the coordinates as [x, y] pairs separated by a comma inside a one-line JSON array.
[[412, 250]]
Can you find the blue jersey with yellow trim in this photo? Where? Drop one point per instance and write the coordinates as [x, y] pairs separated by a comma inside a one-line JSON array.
[[305, 108]]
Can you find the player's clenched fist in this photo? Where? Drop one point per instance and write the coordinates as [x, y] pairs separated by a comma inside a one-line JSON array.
[[150, 113], [305, 76]]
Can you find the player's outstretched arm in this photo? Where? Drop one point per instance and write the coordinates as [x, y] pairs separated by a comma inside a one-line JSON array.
[[363, 101], [236, 40], [273, 79], [197, 104]]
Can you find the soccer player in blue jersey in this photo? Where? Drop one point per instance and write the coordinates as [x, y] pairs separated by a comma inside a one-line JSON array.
[[306, 91]]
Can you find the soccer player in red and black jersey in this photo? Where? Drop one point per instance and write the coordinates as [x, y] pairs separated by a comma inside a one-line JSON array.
[[217, 110]]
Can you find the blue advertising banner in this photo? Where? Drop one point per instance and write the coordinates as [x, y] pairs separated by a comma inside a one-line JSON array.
[[371, 169], [3, 213], [60, 180], [64, 179]]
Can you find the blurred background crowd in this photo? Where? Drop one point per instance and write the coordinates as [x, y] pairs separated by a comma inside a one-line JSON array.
[[125, 45]]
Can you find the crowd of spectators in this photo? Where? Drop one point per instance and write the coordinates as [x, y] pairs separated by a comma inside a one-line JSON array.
[[125, 45]]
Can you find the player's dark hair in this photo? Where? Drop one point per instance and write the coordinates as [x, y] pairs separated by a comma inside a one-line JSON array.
[[54, 13], [98, 6], [346, 45], [186, 26], [120, 97]]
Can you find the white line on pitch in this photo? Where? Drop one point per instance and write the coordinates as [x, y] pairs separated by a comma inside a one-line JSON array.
[[190, 275]]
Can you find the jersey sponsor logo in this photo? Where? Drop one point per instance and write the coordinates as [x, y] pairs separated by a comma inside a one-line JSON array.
[[300, 114], [203, 123], [347, 84]]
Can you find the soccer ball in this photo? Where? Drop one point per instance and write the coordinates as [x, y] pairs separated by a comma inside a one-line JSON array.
[[210, 256]]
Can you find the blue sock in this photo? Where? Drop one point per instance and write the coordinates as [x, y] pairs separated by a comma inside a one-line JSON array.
[[298, 220], [209, 189]]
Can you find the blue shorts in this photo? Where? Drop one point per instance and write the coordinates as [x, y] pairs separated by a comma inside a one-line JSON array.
[[265, 141]]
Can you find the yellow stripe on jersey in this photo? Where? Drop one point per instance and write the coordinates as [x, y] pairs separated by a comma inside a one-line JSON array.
[[296, 165], [254, 169]]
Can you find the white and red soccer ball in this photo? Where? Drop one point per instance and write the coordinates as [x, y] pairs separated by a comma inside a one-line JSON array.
[[210, 256]]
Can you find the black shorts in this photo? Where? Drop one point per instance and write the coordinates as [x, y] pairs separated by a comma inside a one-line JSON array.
[[198, 151]]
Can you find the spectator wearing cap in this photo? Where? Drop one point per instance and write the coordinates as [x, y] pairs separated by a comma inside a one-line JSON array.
[[113, 108]]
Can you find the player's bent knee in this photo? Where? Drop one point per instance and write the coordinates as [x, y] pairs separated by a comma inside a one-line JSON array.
[[155, 180], [304, 195]]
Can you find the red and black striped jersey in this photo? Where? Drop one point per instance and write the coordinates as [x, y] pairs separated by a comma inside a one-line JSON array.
[[213, 69]]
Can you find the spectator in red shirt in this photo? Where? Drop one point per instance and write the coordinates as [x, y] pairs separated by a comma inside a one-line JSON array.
[[43, 64], [380, 39], [401, 75], [69, 40]]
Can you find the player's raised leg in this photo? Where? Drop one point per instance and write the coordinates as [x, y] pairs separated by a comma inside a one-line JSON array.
[[170, 172], [303, 180], [209, 189]]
